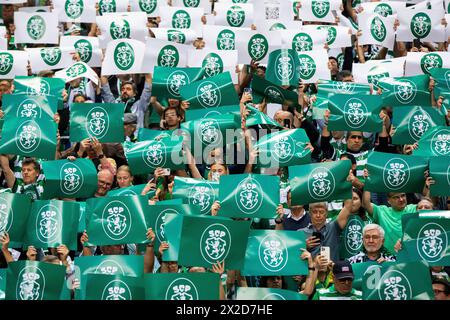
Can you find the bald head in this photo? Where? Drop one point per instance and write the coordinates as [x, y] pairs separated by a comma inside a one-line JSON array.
[[105, 181]]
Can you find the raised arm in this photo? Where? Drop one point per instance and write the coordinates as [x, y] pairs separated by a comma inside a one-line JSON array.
[[343, 216], [149, 257], [9, 174]]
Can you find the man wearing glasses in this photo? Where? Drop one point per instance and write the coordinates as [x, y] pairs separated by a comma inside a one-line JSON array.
[[105, 181]]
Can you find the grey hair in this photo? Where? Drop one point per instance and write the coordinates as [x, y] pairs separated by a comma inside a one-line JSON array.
[[372, 226], [319, 204]]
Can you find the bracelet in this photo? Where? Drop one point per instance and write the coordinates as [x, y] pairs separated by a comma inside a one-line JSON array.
[[312, 269], [101, 156], [278, 221]]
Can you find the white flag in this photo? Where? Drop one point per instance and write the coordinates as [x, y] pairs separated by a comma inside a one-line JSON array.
[[205, 4], [234, 14], [150, 7], [76, 10], [256, 45], [374, 70], [383, 8], [88, 49], [314, 66], [13, 63], [36, 9], [376, 29], [182, 18], [337, 36], [221, 37], [272, 10], [212, 61], [422, 62], [124, 56], [319, 10], [182, 36], [77, 70], [111, 6], [163, 53], [38, 27], [130, 25], [50, 58], [421, 24], [305, 39]]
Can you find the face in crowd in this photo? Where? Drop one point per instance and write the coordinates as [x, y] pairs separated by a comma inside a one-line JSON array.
[[397, 200], [373, 239], [105, 182], [354, 141]]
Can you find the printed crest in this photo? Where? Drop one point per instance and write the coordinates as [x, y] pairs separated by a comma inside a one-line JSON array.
[[431, 242], [116, 220], [215, 243], [182, 289], [273, 253]]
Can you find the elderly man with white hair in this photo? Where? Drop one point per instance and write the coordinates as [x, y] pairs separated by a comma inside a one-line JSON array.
[[373, 241]]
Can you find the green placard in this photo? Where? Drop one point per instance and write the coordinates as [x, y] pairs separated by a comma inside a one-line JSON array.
[[274, 93], [182, 286], [206, 240], [319, 106], [148, 134], [247, 196], [32, 280], [442, 78], [28, 106], [325, 181], [275, 252], [82, 221], [257, 117], [168, 81], [14, 212], [69, 179], [327, 88], [268, 294], [282, 67], [197, 192], [352, 237], [283, 148], [406, 91], [197, 114], [395, 172], [355, 112], [173, 224], [52, 223], [130, 191], [369, 268], [103, 121], [435, 142], [116, 220], [40, 86], [113, 287], [3, 283], [440, 171]]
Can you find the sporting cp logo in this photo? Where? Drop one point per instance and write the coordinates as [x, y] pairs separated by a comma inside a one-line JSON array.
[[249, 196], [6, 63], [36, 27], [307, 66], [29, 109], [354, 236], [440, 143], [6, 215], [212, 64], [116, 220], [160, 223], [97, 123], [283, 149], [71, 178], [235, 16], [344, 87], [355, 113], [394, 285], [74, 8], [274, 94], [154, 154], [321, 183], [176, 36], [420, 25], [226, 40], [84, 50], [42, 89], [378, 29], [202, 195], [191, 3], [209, 94], [209, 132], [116, 290], [28, 136], [107, 6], [168, 56], [48, 224], [215, 243], [124, 56], [331, 33], [432, 242], [51, 56], [284, 67], [302, 42], [273, 253], [396, 174], [181, 20], [405, 91], [430, 61], [30, 284], [109, 267], [175, 81], [120, 29], [376, 73], [258, 46], [272, 13], [383, 9], [182, 289], [320, 8], [148, 6], [76, 70]]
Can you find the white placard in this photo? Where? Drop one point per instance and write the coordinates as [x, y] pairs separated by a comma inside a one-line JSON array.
[[36, 9], [222, 37], [182, 36], [376, 29], [164, 53], [346, 22], [110, 6], [77, 70], [318, 10], [279, 10], [205, 4], [37, 27], [12, 1], [150, 7], [182, 18], [88, 49], [421, 24], [306, 39], [76, 10], [383, 8], [422, 62], [274, 25], [447, 29], [50, 58], [373, 70], [256, 45], [314, 66], [3, 40], [13, 63], [213, 62], [234, 14], [337, 36], [124, 56]]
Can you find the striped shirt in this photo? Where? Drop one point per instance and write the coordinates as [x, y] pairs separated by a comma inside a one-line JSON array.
[[361, 161], [331, 294], [362, 257]]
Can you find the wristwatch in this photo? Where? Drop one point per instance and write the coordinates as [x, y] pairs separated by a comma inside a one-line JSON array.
[[278, 221], [101, 156]]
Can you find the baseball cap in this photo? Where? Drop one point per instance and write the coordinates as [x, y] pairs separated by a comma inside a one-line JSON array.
[[129, 118], [342, 270]]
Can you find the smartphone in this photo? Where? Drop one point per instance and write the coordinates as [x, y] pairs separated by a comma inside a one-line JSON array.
[[166, 172], [318, 235], [325, 252], [287, 123]]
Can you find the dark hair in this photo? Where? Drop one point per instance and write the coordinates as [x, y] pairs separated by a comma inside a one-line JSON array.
[[32, 161], [263, 283], [177, 110], [342, 74], [132, 84], [444, 282], [349, 156], [79, 94], [361, 210], [333, 58]]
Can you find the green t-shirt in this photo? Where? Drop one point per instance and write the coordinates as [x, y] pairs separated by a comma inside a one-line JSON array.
[[331, 294], [391, 221]]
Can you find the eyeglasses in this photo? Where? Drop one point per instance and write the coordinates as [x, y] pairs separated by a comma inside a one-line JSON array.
[[356, 137], [104, 183], [368, 237]]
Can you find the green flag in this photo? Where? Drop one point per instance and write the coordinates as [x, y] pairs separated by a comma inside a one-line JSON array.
[[370, 268], [268, 294], [406, 91], [325, 181], [113, 287], [272, 92], [206, 240], [41, 87], [215, 91], [256, 117], [148, 134], [198, 192], [116, 220], [130, 191], [355, 112], [144, 157], [168, 81], [82, 220], [32, 280], [327, 88], [283, 148], [103, 121], [283, 67], [440, 171], [435, 142], [173, 224], [411, 122], [426, 239], [245, 196], [395, 172], [319, 106], [401, 281], [3, 283], [69, 179], [182, 286], [29, 137], [52, 223], [442, 78], [197, 114], [14, 211], [352, 237], [28, 106], [275, 252]]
